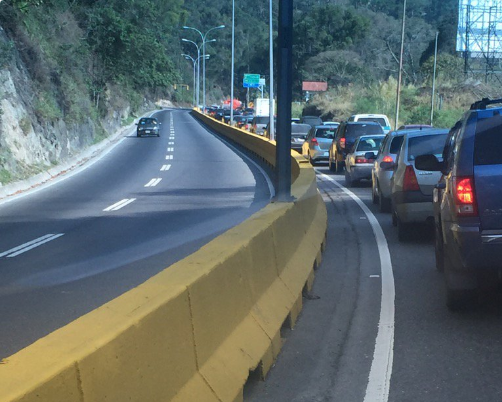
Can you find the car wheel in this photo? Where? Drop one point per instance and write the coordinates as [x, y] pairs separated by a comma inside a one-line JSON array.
[[138, 135], [374, 196], [457, 299], [331, 166], [403, 230], [383, 203], [348, 180], [438, 249], [338, 165], [312, 162], [394, 216]]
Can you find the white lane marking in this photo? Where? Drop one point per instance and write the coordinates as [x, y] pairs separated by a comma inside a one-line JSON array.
[[23, 248], [171, 143], [383, 355], [170, 149], [374, 276], [120, 204], [169, 157], [165, 167], [153, 182]]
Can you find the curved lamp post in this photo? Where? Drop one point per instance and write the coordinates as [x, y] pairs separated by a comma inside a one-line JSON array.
[[204, 41], [198, 67]]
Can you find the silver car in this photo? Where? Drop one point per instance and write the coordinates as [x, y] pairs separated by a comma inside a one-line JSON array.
[[359, 161], [381, 177], [411, 189], [316, 146]]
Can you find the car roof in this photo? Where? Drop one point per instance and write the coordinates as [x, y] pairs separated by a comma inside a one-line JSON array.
[[361, 123], [423, 133]]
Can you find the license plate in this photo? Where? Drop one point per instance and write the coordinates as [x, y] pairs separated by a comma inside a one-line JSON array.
[[147, 131]]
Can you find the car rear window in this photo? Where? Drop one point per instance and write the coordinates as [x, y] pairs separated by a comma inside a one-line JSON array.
[[427, 144], [488, 141], [148, 121], [299, 129], [396, 144], [356, 130], [378, 120], [325, 132], [369, 144]]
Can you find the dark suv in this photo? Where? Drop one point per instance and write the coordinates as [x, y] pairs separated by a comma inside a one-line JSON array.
[[345, 138], [468, 203]]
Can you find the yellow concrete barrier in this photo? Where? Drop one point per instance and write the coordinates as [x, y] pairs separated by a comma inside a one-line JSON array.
[[194, 331]]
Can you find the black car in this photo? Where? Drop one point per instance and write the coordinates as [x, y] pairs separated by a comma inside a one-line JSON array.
[[148, 126], [346, 136], [299, 133]]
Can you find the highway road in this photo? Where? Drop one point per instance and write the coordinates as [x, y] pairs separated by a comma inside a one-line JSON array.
[[425, 352], [74, 245]]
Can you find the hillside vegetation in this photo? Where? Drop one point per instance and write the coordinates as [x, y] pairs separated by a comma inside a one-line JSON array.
[[72, 71]]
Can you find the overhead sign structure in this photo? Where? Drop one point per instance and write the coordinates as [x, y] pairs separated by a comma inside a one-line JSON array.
[[251, 81]]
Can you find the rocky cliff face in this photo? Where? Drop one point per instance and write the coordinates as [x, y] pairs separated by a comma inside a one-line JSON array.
[[28, 144]]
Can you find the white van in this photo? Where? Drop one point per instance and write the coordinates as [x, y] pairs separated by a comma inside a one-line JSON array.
[[382, 119]]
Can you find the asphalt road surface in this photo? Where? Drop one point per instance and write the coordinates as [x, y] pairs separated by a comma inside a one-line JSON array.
[[72, 246], [429, 353]]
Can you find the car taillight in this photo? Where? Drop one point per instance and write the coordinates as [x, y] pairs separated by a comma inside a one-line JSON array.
[[314, 141], [342, 142], [410, 182], [463, 188], [387, 159], [362, 159]]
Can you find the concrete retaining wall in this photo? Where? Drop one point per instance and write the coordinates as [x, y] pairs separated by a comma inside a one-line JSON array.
[[194, 331]]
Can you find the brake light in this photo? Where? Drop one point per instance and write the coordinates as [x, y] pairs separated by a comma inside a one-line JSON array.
[[342, 142], [410, 182], [463, 188], [362, 159], [387, 159], [314, 141]]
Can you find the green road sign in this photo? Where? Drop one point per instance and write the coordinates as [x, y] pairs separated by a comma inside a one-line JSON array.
[[251, 80]]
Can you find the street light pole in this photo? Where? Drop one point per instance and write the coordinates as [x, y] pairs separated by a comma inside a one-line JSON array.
[[400, 74], [233, 49], [198, 67], [204, 41], [271, 63], [188, 57]]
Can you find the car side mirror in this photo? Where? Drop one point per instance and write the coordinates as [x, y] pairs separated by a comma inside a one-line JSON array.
[[387, 165], [428, 162], [370, 155]]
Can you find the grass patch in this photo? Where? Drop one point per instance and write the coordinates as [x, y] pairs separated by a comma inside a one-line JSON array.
[[5, 176]]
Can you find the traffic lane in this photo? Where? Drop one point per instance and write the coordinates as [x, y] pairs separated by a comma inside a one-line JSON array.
[[438, 355], [162, 226], [328, 355]]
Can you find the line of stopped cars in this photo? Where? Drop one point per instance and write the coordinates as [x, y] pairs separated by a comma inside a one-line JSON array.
[[451, 179]]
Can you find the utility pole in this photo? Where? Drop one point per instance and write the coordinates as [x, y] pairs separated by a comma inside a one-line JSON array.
[[271, 63], [434, 78], [400, 75]]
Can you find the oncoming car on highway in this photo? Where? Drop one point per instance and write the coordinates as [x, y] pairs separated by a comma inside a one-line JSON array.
[[148, 126]]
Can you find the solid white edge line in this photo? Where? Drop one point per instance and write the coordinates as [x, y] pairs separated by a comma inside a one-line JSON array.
[[12, 250], [24, 250], [383, 355]]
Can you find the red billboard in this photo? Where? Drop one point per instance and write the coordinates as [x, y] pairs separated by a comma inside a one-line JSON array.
[[315, 86]]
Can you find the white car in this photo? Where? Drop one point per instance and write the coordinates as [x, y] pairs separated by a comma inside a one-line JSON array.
[[382, 119]]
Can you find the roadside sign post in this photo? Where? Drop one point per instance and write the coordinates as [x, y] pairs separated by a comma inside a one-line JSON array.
[[284, 99]]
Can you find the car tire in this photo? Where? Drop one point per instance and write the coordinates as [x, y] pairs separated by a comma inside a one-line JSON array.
[[403, 230], [332, 167], [438, 249], [374, 196], [384, 204], [138, 135], [348, 180], [312, 162], [457, 299], [338, 165]]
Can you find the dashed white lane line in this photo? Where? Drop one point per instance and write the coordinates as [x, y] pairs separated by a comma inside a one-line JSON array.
[[170, 149], [153, 182], [165, 168], [120, 204], [171, 143], [169, 157], [378, 386], [23, 248]]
